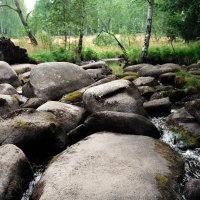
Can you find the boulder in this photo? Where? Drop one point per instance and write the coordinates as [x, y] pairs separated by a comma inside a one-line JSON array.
[[70, 116], [54, 79], [127, 123], [158, 107], [8, 103], [146, 91], [7, 89], [76, 96], [193, 107], [157, 70], [192, 189], [95, 65], [98, 74], [33, 103], [112, 166], [22, 68], [8, 75], [119, 95], [33, 131], [136, 68], [145, 81], [187, 126], [15, 172], [168, 78]]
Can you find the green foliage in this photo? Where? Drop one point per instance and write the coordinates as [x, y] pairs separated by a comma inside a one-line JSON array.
[[45, 39], [108, 53], [89, 54], [190, 80], [104, 39], [56, 54]]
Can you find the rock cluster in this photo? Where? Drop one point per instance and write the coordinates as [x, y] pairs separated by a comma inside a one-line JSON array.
[[105, 146]]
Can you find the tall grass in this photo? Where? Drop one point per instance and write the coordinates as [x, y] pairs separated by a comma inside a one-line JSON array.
[[159, 51]]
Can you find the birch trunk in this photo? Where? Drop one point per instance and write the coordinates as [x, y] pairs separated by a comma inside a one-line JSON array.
[[148, 30], [24, 23]]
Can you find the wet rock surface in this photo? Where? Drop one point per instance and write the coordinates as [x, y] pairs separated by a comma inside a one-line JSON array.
[[15, 172], [97, 168]]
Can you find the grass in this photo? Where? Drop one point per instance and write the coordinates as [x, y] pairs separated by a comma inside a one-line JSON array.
[[159, 50], [189, 80], [189, 139]]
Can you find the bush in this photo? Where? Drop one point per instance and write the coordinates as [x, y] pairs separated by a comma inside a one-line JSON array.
[[104, 39], [45, 39], [89, 54]]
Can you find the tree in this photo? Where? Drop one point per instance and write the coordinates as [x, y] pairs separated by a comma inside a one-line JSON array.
[[18, 9], [148, 30]]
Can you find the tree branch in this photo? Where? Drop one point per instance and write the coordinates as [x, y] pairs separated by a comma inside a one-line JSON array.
[[5, 5], [28, 15]]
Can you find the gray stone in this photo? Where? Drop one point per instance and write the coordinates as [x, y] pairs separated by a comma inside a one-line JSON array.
[[95, 65], [146, 91], [168, 78], [22, 68], [8, 103], [193, 107], [158, 107], [186, 123], [112, 166], [8, 75], [127, 123], [70, 116], [15, 172], [157, 70], [33, 103], [53, 80], [192, 189], [136, 68], [119, 95], [145, 81], [32, 131], [7, 89]]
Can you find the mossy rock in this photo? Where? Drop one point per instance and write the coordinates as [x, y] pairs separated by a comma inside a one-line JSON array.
[[167, 182], [73, 96], [191, 140], [128, 75]]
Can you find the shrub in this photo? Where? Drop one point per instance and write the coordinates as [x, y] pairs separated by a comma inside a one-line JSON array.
[[89, 54], [104, 39]]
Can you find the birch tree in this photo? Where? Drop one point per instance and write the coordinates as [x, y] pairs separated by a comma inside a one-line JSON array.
[[148, 30], [18, 9]]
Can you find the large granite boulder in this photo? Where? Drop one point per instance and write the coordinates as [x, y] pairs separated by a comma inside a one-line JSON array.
[[15, 172], [8, 103], [157, 70], [119, 95], [7, 89], [33, 131], [70, 116], [54, 79], [8, 75], [112, 166], [127, 123]]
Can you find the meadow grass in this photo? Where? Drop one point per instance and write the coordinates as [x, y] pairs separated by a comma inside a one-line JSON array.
[[159, 50]]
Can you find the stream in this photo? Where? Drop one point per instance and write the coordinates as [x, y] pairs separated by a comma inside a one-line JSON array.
[[191, 157]]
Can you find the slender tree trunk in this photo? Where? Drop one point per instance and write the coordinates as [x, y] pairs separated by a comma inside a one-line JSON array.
[[148, 30], [24, 23]]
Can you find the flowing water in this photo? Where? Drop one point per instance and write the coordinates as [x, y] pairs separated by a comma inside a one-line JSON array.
[[191, 158]]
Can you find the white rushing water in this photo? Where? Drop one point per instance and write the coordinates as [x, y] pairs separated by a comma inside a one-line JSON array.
[[173, 139]]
